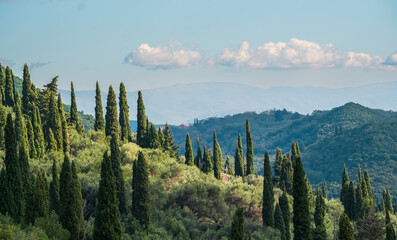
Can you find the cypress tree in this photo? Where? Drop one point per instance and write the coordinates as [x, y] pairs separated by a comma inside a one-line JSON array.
[[350, 198], [74, 117], [359, 197], [3, 120], [77, 201], [51, 142], [228, 166], [207, 161], [345, 187], [390, 232], [287, 172], [9, 89], [188, 151], [319, 233], [54, 122], [199, 158], [2, 84], [147, 137], [218, 160], [27, 92], [4, 191], [31, 139], [65, 134], [301, 203], [112, 125], [30, 202], [237, 229], [140, 194], [169, 143], [284, 205], [40, 196], [141, 121], [161, 138], [279, 221], [99, 124], [154, 142], [124, 117], [115, 157], [38, 132], [324, 190], [250, 150], [369, 188], [13, 172], [268, 194], [278, 165], [54, 189], [238, 158], [366, 204], [387, 201], [107, 219], [345, 228]]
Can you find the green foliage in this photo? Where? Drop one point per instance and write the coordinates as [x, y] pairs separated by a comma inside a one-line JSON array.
[[141, 121], [199, 157], [65, 134], [319, 233], [286, 178], [387, 201], [268, 200], [279, 221], [54, 189], [250, 150], [38, 132], [51, 142], [189, 151], [51, 226], [390, 232], [31, 139], [140, 191], [239, 158], [207, 161], [74, 117], [54, 122], [217, 158], [345, 228], [284, 205], [115, 159], [99, 120], [41, 196], [371, 227], [9, 89], [278, 164], [124, 117], [228, 166], [169, 143], [237, 229], [112, 125]]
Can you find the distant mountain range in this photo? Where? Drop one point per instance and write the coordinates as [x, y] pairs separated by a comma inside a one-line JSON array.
[[182, 103]]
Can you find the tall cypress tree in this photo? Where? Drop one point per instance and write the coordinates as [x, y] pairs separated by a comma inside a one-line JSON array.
[[278, 165], [345, 187], [13, 172], [237, 229], [41, 196], [188, 151], [218, 159], [140, 194], [51, 142], [228, 166], [38, 132], [112, 125], [207, 161], [99, 124], [9, 89], [324, 190], [250, 150], [54, 189], [74, 117], [28, 93], [268, 194], [124, 117], [30, 204], [4, 190], [115, 157], [390, 232], [141, 121], [107, 219], [31, 139], [359, 197], [350, 201], [287, 172], [366, 203], [320, 232], [284, 205], [54, 122], [279, 221], [302, 224], [77, 201], [369, 188], [387, 201], [2, 84], [199, 158], [65, 134], [345, 228], [239, 158]]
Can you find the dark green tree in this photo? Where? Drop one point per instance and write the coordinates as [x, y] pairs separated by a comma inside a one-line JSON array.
[[387, 203], [199, 158], [239, 158], [359, 197], [115, 157], [4, 191], [77, 201], [74, 116], [320, 232], [324, 190], [64, 124], [9, 89], [161, 138], [390, 232], [237, 229], [207, 161], [124, 117], [107, 219], [302, 224], [345, 187], [188, 151], [2, 84], [350, 198], [51, 142], [284, 205], [278, 165], [54, 189], [169, 143], [250, 150], [30, 202], [268, 194], [218, 159], [279, 221], [154, 141], [370, 227], [28, 92], [141, 121], [38, 132], [112, 125], [54, 122], [286, 178], [99, 124], [367, 181], [41, 196], [345, 228], [228, 166], [31, 139]]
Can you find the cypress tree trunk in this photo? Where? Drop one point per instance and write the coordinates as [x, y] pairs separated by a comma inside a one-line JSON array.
[[115, 157], [99, 124], [141, 121], [238, 158], [250, 150], [237, 229], [188, 151], [112, 125]]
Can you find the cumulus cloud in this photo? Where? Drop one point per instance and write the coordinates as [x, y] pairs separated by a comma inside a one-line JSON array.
[[163, 57], [296, 54], [392, 60]]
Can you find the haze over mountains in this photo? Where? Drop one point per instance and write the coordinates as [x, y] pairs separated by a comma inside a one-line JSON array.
[[180, 104]]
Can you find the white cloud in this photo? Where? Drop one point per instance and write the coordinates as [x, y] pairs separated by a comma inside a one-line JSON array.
[[297, 54], [392, 60], [164, 57]]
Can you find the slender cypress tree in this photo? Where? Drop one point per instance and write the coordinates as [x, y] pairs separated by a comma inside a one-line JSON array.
[[324, 190], [218, 160], [3, 120], [350, 198], [268, 194], [115, 157], [369, 188], [239, 158], [2, 84], [107, 219], [228, 166], [9, 89], [287, 172], [387, 201], [250, 150], [390, 232], [359, 197], [77, 201], [279, 221], [99, 124], [31, 139], [54, 189], [169, 143], [161, 138], [237, 229], [140, 194], [278, 165], [154, 141], [124, 117], [38, 132], [320, 232], [27, 92], [74, 117], [51, 142], [65, 134], [284, 205], [4, 191], [345, 228], [41, 196], [112, 125], [302, 228], [141, 121], [199, 158], [345, 187], [30, 202], [13, 172], [366, 203], [188, 151], [54, 122], [147, 137], [207, 161]]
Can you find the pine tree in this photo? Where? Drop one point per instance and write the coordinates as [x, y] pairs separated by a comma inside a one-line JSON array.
[[65, 134], [284, 205], [115, 157], [324, 190], [207, 161], [345, 228], [250, 150], [99, 124], [390, 232], [350, 198], [188, 151], [169, 143], [218, 159], [320, 232], [301, 203], [74, 116], [237, 229], [112, 125], [345, 187], [228, 166], [41, 197], [54, 122], [141, 121], [140, 194], [51, 142], [154, 141], [278, 165], [287, 172], [54, 189], [239, 158], [124, 117], [268, 194], [279, 221], [9, 89], [13, 172], [199, 158], [107, 219], [31, 139]]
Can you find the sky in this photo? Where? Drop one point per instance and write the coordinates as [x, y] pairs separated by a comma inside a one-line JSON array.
[[156, 43]]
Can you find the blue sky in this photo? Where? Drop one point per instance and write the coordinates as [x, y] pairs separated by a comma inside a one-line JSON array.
[[150, 44]]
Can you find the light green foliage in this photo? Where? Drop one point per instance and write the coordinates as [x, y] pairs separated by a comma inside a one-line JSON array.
[[345, 228], [228, 166]]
